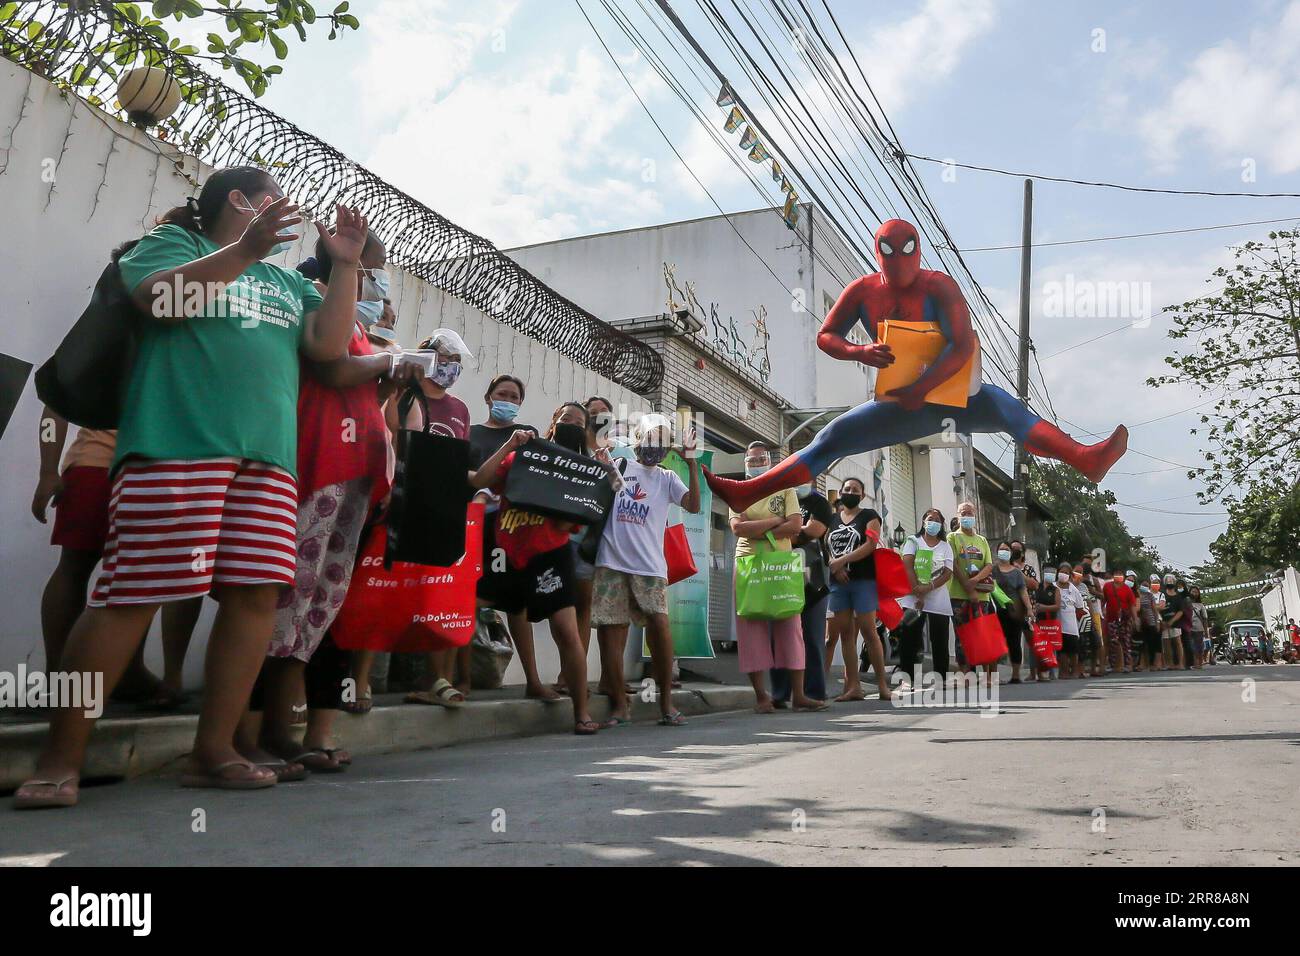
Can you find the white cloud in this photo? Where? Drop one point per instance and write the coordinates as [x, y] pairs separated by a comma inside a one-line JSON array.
[[535, 156], [913, 55], [1237, 100]]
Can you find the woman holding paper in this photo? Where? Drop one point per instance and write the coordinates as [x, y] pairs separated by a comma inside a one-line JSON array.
[[941, 392]]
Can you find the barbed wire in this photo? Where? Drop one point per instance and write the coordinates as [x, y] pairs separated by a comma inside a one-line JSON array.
[[84, 51]]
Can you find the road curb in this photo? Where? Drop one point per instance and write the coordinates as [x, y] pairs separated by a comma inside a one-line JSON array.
[[123, 748]]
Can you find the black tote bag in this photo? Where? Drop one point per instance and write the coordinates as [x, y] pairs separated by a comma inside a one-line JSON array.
[[431, 493], [549, 479]]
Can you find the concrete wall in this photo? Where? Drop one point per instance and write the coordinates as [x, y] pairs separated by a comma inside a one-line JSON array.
[[73, 183]]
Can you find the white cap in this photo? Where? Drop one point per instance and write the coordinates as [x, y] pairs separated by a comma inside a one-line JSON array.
[[651, 422], [450, 342]]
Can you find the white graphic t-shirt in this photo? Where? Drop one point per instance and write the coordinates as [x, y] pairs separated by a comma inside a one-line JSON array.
[[634, 534], [928, 564]]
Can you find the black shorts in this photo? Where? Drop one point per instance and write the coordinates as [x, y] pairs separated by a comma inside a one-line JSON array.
[[1151, 638], [542, 587], [1069, 643]]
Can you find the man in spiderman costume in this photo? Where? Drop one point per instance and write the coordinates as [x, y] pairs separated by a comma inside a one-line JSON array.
[[903, 291]]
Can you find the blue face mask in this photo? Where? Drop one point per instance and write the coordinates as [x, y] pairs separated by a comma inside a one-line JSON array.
[[932, 528], [368, 313], [967, 522], [504, 411]]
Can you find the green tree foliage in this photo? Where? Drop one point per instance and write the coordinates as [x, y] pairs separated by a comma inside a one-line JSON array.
[[1085, 519], [1243, 344], [125, 35]]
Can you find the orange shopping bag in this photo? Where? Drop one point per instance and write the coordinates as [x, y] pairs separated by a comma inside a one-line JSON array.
[[917, 346]]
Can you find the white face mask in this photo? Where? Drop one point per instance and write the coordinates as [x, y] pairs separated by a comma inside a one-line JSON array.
[[279, 247], [1063, 578], [374, 285], [1004, 555], [369, 312], [753, 471]]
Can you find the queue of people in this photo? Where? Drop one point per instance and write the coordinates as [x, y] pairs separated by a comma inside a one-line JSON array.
[[258, 447]]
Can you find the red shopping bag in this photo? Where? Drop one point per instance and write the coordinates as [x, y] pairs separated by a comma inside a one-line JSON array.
[[681, 563], [1052, 630], [1044, 650], [982, 641], [891, 584], [411, 607]]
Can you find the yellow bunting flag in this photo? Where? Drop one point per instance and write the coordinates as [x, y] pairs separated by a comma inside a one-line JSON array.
[[734, 119]]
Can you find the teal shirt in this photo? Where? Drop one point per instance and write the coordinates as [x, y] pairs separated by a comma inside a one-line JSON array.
[[222, 384]]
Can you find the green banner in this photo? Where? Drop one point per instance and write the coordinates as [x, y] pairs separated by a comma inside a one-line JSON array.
[[688, 601]]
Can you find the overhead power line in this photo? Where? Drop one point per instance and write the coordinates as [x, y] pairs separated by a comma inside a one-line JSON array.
[[1104, 185], [1135, 235]]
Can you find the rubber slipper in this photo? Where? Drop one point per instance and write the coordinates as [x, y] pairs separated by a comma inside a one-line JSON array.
[[285, 771], [214, 778], [675, 719], [318, 761], [44, 794], [814, 708], [586, 728]]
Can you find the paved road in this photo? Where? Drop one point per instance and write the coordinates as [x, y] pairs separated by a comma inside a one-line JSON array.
[[1187, 772]]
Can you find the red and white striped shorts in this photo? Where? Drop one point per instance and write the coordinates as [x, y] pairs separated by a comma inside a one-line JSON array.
[[178, 527]]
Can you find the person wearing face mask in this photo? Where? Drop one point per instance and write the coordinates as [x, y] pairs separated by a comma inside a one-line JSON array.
[[1198, 620], [972, 574], [1121, 610], [816, 515], [1179, 609], [1012, 617], [340, 480], [1091, 588], [631, 582], [503, 398], [1158, 600], [1073, 606], [1151, 657], [427, 405], [538, 577], [597, 440], [763, 645], [852, 539], [213, 391], [1169, 614], [1047, 607], [928, 559]]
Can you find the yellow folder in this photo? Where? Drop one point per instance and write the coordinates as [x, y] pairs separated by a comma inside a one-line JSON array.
[[916, 346]]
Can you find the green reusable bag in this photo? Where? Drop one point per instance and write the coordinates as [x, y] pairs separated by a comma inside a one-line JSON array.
[[1001, 596], [769, 584]]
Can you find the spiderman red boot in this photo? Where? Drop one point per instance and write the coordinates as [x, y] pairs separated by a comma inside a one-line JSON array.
[[739, 495], [1093, 461]]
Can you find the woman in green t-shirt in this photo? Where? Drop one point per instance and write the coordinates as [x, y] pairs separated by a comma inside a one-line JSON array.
[[205, 497]]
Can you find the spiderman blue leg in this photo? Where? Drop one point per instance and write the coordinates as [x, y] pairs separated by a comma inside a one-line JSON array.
[[875, 425]]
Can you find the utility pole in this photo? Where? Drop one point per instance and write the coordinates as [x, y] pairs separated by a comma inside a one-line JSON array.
[[1019, 510]]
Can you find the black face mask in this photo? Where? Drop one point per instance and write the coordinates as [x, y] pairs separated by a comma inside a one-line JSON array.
[[651, 455], [851, 500], [571, 437]]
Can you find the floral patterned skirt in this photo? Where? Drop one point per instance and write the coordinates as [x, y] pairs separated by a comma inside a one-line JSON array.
[[330, 522]]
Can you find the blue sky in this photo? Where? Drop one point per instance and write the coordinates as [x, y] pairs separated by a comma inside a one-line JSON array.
[[510, 119]]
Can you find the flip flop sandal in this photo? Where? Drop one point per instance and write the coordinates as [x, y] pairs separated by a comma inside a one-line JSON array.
[[675, 719], [586, 728], [338, 754], [815, 708], [361, 706], [213, 778], [43, 794], [442, 693], [285, 771], [318, 761], [615, 722]]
